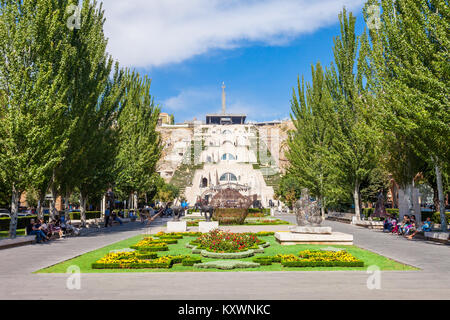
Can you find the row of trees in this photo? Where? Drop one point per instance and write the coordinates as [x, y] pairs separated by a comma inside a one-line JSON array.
[[381, 108], [71, 120]]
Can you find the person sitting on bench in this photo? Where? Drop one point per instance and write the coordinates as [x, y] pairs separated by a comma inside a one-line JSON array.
[[426, 227], [35, 229]]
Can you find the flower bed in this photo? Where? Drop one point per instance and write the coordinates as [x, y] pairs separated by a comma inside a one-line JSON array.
[[129, 260], [147, 245], [176, 235], [226, 242], [265, 222], [133, 260], [313, 258], [162, 240]]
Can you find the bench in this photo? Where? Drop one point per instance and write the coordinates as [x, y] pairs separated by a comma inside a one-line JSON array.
[[437, 236], [370, 224], [19, 241], [340, 217]]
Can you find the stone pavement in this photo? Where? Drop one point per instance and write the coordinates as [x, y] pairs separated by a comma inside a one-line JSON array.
[[432, 282]]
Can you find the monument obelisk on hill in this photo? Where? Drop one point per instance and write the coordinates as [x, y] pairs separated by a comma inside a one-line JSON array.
[[224, 99]]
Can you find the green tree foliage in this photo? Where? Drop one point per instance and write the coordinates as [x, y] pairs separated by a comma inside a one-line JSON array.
[[410, 61], [34, 83], [168, 192], [289, 189], [139, 146], [93, 104], [309, 146], [355, 145]]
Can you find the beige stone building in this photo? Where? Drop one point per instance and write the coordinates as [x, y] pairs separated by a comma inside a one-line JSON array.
[[224, 152]]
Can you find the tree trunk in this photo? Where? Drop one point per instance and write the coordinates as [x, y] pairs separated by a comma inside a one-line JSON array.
[[83, 200], [410, 190], [357, 200], [441, 197], [322, 206], [40, 207], [135, 200], [130, 201], [66, 206], [53, 212], [14, 212], [436, 198]]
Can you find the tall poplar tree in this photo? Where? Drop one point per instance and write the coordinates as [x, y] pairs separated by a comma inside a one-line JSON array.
[[33, 81], [139, 142], [312, 115], [94, 105], [355, 146], [410, 58]]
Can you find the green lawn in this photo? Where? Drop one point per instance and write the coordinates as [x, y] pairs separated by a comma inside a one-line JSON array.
[[84, 261], [5, 234]]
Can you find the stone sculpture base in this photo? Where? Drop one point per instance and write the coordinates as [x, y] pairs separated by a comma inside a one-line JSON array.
[[206, 227], [176, 226], [291, 238], [310, 229]]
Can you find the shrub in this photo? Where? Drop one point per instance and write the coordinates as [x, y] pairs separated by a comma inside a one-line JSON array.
[[89, 215], [264, 261], [130, 260], [147, 245], [265, 233], [227, 255], [22, 222], [227, 265], [166, 240], [144, 256], [305, 263], [319, 258], [191, 261], [230, 215]]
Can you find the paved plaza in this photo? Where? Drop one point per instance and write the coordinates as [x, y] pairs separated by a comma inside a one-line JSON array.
[[431, 282]]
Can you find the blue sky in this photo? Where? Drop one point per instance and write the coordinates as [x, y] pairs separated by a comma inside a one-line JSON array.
[[256, 47]]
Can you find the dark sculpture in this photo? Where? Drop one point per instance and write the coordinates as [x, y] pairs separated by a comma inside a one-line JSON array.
[[177, 210], [380, 210], [230, 198], [204, 207]]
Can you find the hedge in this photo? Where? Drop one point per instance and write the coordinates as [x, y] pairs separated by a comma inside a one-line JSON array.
[[89, 215], [22, 222], [228, 255], [145, 256], [230, 215], [167, 241], [227, 265], [150, 249], [130, 265], [264, 261], [435, 216], [170, 237], [303, 264], [191, 261]]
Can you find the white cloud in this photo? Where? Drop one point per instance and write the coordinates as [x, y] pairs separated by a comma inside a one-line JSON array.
[[148, 33], [196, 102], [189, 99]]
